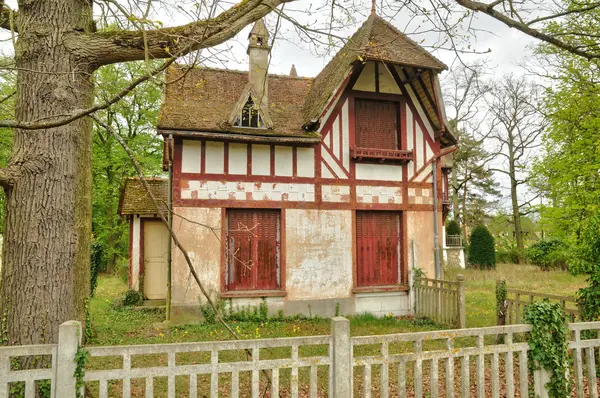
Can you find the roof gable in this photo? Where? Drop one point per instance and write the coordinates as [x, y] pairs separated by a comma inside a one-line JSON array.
[[376, 40], [135, 199]]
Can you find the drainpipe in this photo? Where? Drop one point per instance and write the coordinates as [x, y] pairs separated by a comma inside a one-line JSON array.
[[436, 239], [170, 222]]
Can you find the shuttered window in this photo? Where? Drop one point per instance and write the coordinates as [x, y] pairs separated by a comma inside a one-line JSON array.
[[378, 246], [253, 249], [376, 124]]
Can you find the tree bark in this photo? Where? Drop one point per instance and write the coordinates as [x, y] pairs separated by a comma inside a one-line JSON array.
[[46, 268], [45, 273]]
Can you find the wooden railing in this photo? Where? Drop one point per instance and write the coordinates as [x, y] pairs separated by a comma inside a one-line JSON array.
[[397, 155], [516, 300], [453, 241], [440, 300]]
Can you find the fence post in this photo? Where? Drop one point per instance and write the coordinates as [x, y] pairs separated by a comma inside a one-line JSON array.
[[69, 339], [462, 312], [342, 357], [541, 377]]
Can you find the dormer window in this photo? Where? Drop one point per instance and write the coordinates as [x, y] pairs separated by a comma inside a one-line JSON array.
[[249, 116]]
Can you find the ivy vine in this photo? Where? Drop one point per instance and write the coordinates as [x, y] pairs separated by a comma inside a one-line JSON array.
[[500, 297], [548, 344], [81, 359]]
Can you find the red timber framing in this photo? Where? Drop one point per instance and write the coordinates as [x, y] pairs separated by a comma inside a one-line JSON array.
[[347, 176], [253, 254]]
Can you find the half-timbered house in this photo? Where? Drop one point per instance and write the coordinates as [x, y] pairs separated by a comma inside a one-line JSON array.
[[310, 192]]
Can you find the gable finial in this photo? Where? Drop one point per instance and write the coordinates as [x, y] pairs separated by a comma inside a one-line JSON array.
[[373, 12]]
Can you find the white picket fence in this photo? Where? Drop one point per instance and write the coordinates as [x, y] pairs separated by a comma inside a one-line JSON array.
[[449, 363]]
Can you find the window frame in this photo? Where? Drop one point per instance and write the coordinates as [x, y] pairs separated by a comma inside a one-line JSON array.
[[225, 289], [399, 155]]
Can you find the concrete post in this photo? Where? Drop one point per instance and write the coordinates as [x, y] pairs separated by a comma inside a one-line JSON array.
[[69, 339], [342, 357], [541, 377], [462, 311]]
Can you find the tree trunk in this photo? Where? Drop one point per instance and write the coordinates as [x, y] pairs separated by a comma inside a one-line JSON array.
[[512, 173], [45, 273], [455, 208]]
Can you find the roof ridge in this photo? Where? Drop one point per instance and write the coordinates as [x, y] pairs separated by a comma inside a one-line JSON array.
[[237, 71], [404, 35]]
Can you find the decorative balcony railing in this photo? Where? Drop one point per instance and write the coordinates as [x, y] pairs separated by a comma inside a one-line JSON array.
[[453, 241], [395, 155]]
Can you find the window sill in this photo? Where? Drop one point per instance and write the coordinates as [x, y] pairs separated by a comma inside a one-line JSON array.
[[253, 294], [376, 289]]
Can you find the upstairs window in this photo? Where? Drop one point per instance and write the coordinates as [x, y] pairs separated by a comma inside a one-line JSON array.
[[249, 116], [253, 249], [377, 124]]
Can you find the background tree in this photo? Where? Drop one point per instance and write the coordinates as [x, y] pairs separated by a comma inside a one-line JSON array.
[[482, 252], [134, 119], [48, 179], [566, 173], [516, 129]]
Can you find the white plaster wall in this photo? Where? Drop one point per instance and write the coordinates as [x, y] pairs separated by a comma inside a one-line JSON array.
[[420, 230], [306, 162], [366, 80], [378, 172], [238, 158], [191, 151], [247, 191], [318, 254], [374, 194], [335, 193], [387, 84], [284, 161], [215, 157], [135, 254], [204, 250], [335, 130], [261, 160], [346, 136]]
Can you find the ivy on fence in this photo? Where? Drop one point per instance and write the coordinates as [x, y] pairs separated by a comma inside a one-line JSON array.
[[549, 343]]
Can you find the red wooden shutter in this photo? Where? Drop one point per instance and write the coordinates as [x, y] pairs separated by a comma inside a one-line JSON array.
[[252, 249], [376, 124], [378, 247]]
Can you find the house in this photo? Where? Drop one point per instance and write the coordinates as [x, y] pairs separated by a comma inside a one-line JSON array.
[[310, 193]]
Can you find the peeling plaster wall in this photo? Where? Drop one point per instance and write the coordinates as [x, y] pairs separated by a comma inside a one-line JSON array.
[[420, 230], [205, 252], [318, 254]]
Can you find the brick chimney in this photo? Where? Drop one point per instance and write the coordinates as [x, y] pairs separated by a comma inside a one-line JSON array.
[[258, 52]]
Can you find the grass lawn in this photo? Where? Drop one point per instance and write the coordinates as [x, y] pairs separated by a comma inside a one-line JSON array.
[[121, 326], [481, 287]]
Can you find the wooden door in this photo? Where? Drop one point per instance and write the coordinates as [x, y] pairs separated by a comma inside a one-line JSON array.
[[156, 238]]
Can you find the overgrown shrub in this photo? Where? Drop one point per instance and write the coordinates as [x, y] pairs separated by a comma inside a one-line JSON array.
[[132, 298], [482, 253], [452, 228], [548, 254], [586, 260]]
